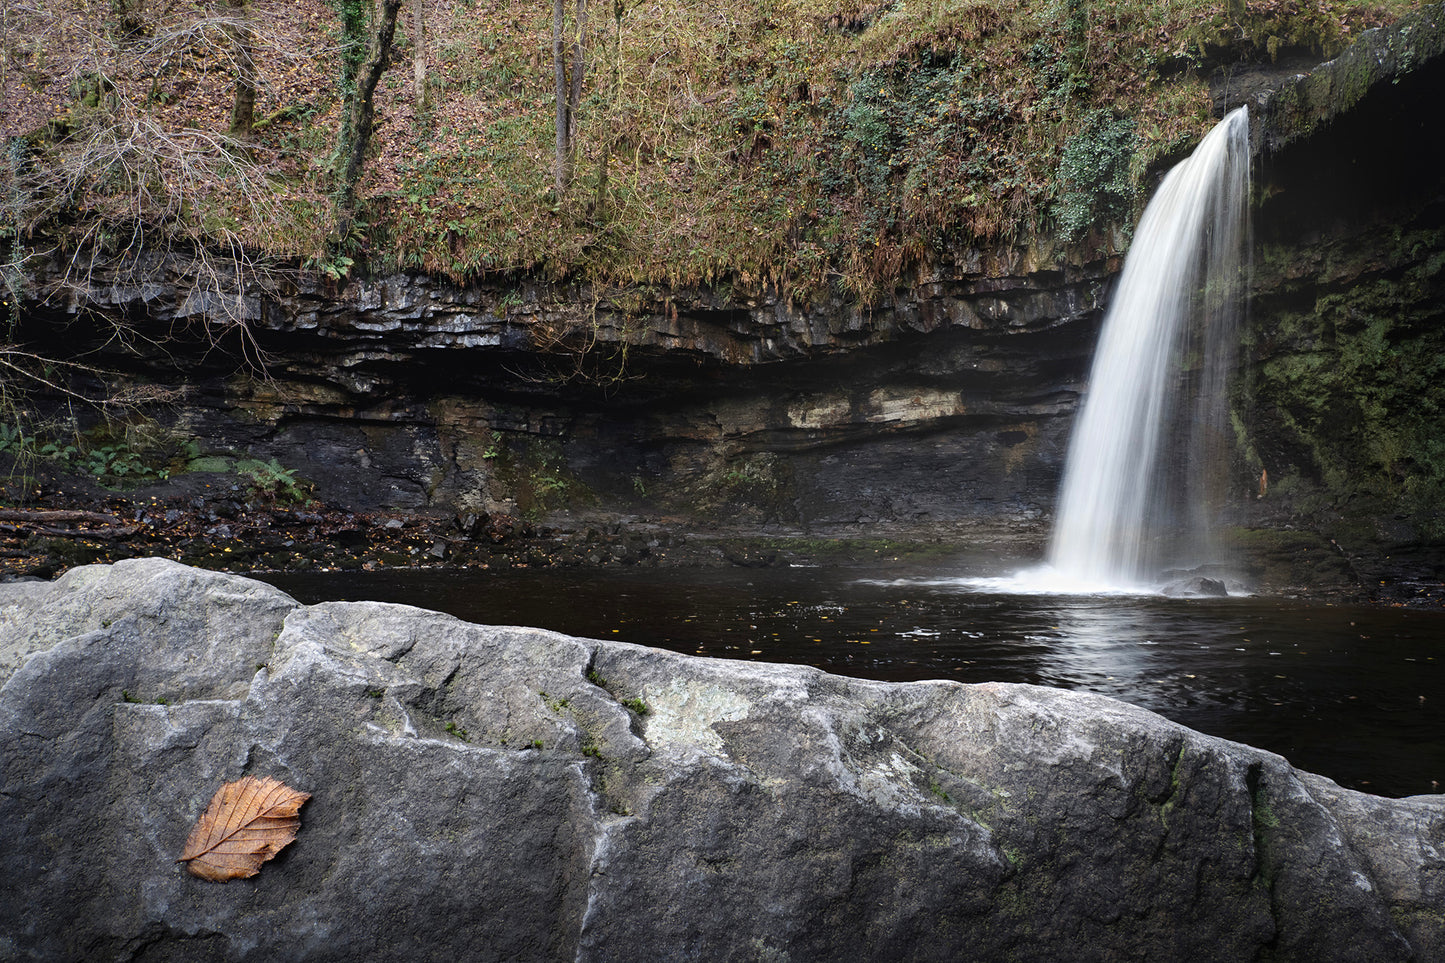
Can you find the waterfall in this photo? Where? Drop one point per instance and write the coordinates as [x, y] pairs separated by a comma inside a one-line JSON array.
[[1143, 474]]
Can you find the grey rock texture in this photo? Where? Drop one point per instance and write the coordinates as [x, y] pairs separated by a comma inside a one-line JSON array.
[[495, 793], [1299, 107]]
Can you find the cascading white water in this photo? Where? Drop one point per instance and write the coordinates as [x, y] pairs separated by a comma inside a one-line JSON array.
[[1139, 479]]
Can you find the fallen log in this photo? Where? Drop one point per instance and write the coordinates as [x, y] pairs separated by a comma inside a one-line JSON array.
[[114, 531], [54, 515]]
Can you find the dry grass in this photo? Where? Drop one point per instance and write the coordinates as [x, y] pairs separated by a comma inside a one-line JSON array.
[[795, 143]]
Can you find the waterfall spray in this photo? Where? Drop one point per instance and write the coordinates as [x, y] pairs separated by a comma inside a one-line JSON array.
[[1141, 479]]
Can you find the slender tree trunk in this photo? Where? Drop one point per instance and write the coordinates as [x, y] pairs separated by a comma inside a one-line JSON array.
[[611, 84], [564, 124], [419, 54], [360, 123], [243, 108], [579, 66], [599, 203], [353, 29], [569, 88]]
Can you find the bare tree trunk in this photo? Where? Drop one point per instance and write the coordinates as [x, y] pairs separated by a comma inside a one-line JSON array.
[[243, 108], [360, 123], [564, 124], [599, 203], [419, 54], [610, 85], [569, 89], [579, 66], [353, 26]]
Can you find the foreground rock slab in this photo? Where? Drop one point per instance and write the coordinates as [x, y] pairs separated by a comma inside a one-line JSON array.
[[497, 793]]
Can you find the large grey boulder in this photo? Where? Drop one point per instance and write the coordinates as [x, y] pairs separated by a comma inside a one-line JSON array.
[[491, 793]]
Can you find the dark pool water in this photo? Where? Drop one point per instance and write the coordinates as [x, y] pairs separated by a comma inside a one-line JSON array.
[[1354, 693]]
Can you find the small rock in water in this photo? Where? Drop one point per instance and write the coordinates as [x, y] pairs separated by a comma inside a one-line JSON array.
[[1197, 585]]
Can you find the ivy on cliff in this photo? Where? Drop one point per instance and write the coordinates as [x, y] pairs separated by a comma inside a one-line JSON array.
[[1094, 182]]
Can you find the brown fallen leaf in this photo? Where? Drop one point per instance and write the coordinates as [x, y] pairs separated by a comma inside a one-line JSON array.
[[247, 822]]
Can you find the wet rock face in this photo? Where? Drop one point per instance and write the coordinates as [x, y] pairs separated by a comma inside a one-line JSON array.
[[949, 402], [1342, 370], [503, 793], [1312, 100]]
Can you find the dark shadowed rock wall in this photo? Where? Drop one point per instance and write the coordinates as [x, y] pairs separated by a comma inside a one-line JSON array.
[[1343, 393], [950, 402]]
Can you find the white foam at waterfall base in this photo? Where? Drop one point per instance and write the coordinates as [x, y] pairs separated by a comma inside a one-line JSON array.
[[1144, 467], [1039, 580], [1047, 580]]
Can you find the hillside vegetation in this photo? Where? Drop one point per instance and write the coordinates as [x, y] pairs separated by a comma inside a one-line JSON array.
[[824, 148]]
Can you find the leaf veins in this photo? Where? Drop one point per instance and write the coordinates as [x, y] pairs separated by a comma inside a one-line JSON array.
[[247, 822]]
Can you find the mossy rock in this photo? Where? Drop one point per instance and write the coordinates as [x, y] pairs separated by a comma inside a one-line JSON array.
[[1300, 107]]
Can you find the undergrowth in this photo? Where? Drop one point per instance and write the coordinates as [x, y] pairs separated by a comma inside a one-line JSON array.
[[824, 149]]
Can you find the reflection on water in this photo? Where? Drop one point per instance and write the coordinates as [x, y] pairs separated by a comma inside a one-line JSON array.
[[1354, 693]]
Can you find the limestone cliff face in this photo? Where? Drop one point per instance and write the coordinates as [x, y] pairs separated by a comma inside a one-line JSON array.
[[491, 793], [948, 403]]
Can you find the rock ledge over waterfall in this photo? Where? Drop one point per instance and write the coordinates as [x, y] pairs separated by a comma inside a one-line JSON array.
[[1303, 105], [513, 794]]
